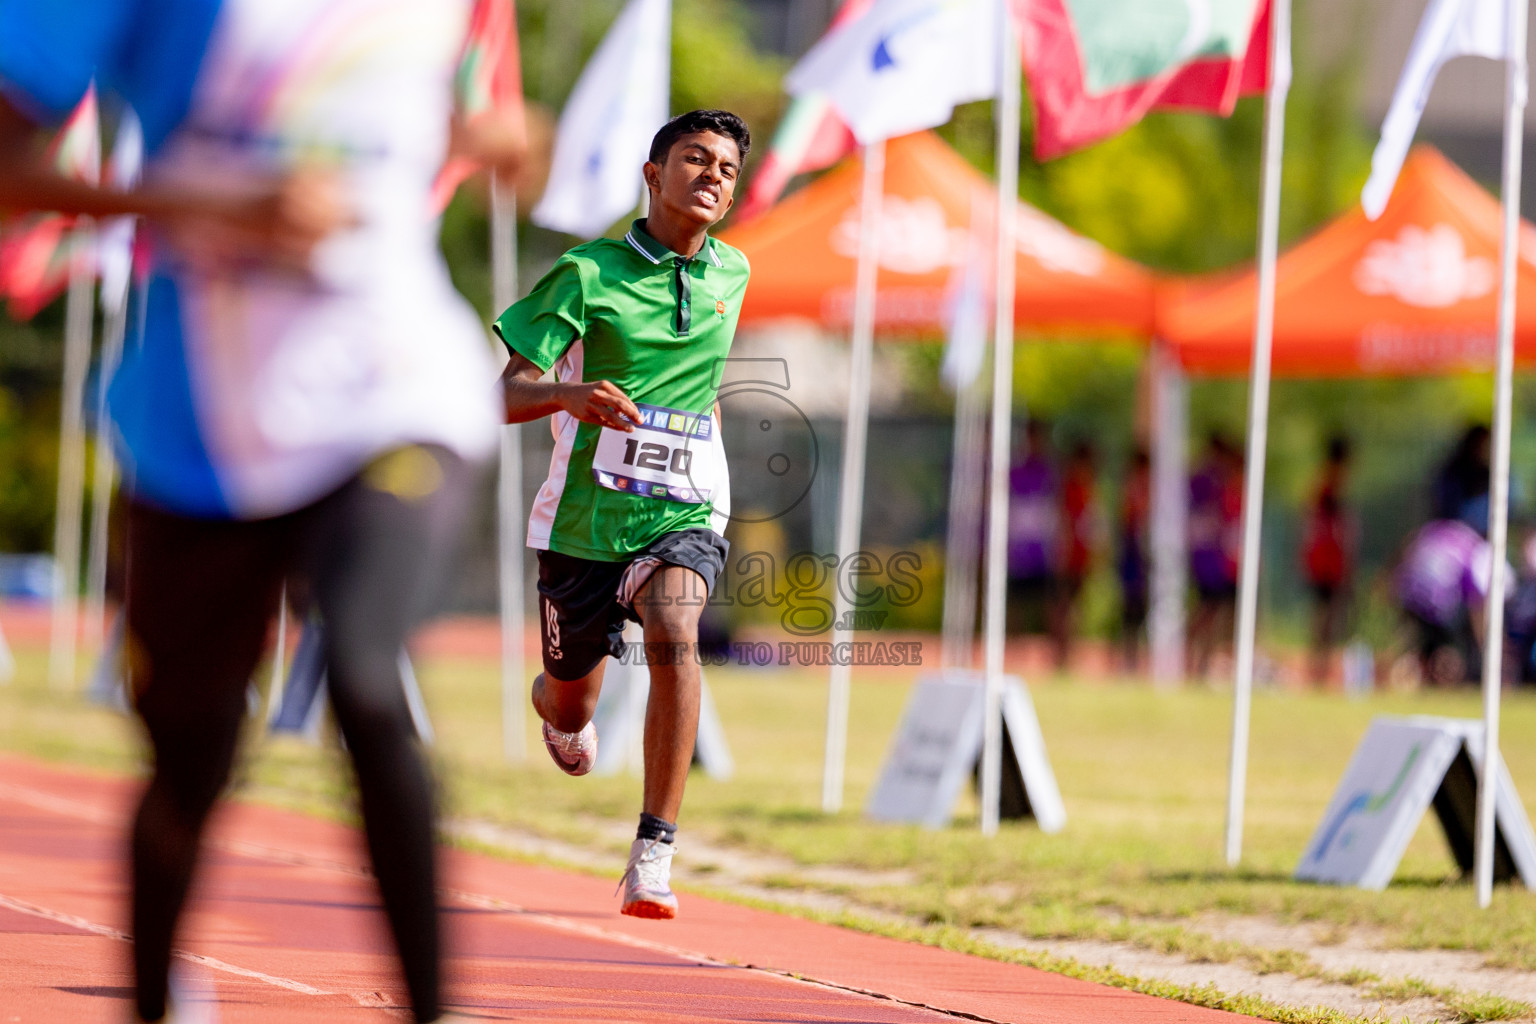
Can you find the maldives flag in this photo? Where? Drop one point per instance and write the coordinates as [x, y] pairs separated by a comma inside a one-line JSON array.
[[489, 80], [810, 136], [36, 252], [1096, 67]]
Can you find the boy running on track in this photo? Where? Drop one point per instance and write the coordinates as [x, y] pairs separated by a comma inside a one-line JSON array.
[[627, 525], [305, 393]]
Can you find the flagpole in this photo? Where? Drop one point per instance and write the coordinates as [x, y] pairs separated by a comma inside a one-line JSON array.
[[78, 314], [104, 470], [1258, 417], [1498, 512], [850, 498], [1009, 70], [509, 489]]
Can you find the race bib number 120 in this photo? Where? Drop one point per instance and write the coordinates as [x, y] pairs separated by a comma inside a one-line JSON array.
[[669, 455]]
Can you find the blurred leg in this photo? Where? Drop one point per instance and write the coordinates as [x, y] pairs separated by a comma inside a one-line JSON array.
[[375, 553], [199, 595]]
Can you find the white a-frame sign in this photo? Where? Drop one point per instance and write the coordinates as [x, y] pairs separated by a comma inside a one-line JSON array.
[[1401, 768], [938, 745]]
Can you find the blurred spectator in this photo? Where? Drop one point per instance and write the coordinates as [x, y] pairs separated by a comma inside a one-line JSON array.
[[1460, 486], [1328, 555], [1033, 531], [1079, 527], [1215, 542], [1520, 616], [1132, 564], [1442, 585]]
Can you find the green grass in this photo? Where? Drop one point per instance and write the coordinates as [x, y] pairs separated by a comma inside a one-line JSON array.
[[1143, 775]]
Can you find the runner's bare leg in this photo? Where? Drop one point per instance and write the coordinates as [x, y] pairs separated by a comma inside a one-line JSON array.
[[671, 624], [568, 705]]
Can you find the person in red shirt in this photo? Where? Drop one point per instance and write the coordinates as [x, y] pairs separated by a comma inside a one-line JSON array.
[[1079, 531], [1328, 555]]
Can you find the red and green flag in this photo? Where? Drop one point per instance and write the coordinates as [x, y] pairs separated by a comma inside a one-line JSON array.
[[37, 251], [1096, 67], [810, 136], [489, 81]]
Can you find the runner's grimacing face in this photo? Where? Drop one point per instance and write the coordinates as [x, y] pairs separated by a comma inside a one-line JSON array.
[[696, 183]]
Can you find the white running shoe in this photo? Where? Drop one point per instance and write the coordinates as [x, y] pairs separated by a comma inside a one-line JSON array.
[[189, 998], [574, 752], [647, 880]]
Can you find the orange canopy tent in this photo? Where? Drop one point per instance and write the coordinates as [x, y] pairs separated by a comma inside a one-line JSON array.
[[1415, 292], [938, 215]]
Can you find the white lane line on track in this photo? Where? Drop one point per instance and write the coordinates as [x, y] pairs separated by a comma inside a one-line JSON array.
[[299, 859], [59, 917], [60, 805], [590, 931]]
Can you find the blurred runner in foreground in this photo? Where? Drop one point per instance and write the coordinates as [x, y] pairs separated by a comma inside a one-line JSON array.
[[308, 391], [628, 525]]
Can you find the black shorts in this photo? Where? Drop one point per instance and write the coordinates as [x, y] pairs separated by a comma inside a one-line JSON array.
[[584, 603]]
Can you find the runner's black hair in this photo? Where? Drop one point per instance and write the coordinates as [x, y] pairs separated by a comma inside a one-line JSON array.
[[721, 122]]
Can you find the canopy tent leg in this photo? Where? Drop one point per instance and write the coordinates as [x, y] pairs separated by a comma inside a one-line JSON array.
[[1169, 527], [962, 541]]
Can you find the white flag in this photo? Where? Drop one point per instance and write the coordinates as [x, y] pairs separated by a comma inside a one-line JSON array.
[[904, 65], [1451, 28], [605, 130]]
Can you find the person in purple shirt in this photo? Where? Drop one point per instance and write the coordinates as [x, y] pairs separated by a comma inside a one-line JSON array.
[[1033, 532], [1442, 585], [1215, 540]]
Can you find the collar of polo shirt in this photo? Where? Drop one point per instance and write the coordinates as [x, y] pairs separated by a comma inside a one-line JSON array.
[[654, 251], [641, 241]]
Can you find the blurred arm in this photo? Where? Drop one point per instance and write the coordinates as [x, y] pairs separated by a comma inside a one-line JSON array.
[[494, 139], [282, 221]]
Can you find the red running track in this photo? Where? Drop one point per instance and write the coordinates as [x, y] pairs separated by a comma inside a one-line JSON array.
[[286, 928]]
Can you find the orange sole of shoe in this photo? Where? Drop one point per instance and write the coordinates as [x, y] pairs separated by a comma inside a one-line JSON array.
[[652, 911]]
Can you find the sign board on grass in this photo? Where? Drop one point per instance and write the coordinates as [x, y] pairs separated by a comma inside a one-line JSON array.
[[1401, 768], [300, 706], [938, 747]]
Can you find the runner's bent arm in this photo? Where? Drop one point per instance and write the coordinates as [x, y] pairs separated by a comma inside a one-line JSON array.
[[526, 397]]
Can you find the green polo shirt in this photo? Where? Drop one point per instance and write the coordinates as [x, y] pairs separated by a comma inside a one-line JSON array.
[[658, 326]]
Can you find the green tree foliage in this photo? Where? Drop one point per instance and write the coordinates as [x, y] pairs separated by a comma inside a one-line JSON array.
[[1178, 192]]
